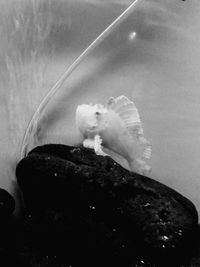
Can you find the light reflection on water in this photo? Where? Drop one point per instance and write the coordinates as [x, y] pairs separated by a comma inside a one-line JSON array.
[[158, 68]]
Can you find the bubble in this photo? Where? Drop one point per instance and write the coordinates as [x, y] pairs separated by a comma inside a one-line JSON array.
[[132, 36]]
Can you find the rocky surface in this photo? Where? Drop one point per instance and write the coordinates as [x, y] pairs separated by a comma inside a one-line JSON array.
[[7, 246], [103, 214], [7, 204]]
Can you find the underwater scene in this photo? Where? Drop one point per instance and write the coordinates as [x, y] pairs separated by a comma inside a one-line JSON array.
[[149, 57]]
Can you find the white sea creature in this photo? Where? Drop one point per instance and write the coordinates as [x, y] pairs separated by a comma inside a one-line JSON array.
[[116, 127]]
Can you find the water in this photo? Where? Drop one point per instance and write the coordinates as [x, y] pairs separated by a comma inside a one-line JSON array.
[[152, 58]]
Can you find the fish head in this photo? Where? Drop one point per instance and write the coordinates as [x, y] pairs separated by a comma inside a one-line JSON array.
[[88, 118]]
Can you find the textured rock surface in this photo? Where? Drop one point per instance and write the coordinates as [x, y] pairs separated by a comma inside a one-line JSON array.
[[105, 215], [7, 205]]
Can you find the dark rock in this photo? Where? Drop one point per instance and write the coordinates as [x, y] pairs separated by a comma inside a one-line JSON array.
[[98, 208], [7, 204], [195, 260]]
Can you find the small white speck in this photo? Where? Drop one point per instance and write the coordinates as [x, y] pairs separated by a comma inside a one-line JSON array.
[[180, 232], [165, 238], [55, 174], [132, 36], [92, 207], [147, 204], [17, 24]]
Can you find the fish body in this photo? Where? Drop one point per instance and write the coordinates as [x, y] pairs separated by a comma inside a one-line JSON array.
[[117, 127]]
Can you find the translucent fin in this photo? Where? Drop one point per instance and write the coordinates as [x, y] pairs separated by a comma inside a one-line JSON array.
[[140, 167], [147, 152], [129, 114]]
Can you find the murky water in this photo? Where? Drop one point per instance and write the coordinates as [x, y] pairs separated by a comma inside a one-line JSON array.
[[153, 58]]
